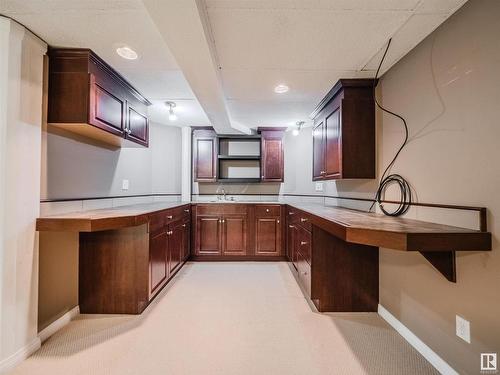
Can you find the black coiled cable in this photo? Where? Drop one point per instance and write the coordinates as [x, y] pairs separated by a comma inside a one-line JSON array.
[[405, 199]]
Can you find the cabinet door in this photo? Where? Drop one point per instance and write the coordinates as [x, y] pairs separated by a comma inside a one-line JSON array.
[[234, 235], [208, 234], [205, 159], [291, 244], [318, 151], [137, 126], [175, 249], [268, 236], [272, 156], [158, 261], [106, 110], [186, 240], [332, 145]]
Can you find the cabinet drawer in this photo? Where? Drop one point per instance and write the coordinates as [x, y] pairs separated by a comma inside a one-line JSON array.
[[209, 209], [300, 218], [304, 273], [267, 210], [175, 214], [232, 208], [304, 238]]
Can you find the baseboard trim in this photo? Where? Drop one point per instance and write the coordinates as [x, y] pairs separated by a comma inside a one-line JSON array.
[[55, 326], [12, 361], [430, 355]]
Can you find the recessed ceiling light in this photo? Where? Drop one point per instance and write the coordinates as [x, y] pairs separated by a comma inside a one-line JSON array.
[[127, 53], [281, 89]]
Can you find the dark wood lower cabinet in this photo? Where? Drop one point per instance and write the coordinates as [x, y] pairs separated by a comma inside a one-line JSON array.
[[238, 231], [122, 270]]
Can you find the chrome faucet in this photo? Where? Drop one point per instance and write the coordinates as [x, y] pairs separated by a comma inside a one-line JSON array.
[[219, 194]]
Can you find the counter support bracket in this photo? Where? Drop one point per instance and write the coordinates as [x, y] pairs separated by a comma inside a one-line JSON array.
[[444, 262]]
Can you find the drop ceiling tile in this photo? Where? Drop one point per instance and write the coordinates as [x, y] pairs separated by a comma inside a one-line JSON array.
[[378, 5], [415, 30], [289, 39], [305, 85]]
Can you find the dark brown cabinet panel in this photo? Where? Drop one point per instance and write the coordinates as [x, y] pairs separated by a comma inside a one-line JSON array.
[[234, 234], [158, 261], [344, 132], [272, 155], [186, 239], [88, 97], [208, 235], [175, 248], [137, 126], [268, 236], [205, 156], [319, 151], [291, 244]]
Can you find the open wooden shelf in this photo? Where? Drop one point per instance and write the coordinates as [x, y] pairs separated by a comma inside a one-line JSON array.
[[239, 157], [238, 180]]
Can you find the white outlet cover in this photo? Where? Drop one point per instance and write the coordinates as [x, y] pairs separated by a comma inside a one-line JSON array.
[[125, 184], [463, 328], [319, 186]]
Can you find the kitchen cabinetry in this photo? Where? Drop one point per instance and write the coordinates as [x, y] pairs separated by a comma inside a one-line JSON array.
[[88, 97], [237, 231], [221, 230], [205, 155], [344, 132], [215, 158], [122, 270], [272, 155]]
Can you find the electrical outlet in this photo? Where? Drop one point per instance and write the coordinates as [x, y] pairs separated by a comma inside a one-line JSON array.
[[125, 184], [319, 186], [463, 328]]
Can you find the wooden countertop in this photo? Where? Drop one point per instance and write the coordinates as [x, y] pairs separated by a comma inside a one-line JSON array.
[[349, 225], [103, 219], [394, 232]]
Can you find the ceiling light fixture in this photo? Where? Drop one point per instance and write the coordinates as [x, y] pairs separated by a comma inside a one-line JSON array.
[[171, 115], [127, 53], [281, 89], [299, 125]]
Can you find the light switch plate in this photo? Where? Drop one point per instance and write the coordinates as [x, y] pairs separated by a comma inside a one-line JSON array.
[[463, 328], [125, 184], [319, 186]]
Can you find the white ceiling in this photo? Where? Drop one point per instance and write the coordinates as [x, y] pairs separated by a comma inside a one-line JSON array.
[[223, 58]]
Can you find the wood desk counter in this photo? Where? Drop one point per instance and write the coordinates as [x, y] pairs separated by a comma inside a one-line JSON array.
[[104, 219]]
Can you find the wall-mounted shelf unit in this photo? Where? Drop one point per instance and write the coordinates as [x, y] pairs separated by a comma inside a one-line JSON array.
[[238, 158]]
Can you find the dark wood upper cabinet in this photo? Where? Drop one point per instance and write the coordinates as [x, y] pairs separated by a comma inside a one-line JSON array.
[[272, 155], [205, 155], [88, 97], [344, 132]]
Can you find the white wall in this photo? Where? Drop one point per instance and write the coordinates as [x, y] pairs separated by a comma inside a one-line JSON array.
[[21, 73]]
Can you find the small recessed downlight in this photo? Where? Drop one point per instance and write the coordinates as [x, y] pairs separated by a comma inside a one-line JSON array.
[[281, 89], [127, 53]]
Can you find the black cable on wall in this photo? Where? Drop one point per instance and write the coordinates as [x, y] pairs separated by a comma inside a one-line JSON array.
[[392, 179]]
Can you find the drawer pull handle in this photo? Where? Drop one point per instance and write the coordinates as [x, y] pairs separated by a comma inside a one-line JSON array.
[[303, 220], [291, 213], [170, 232], [291, 226], [184, 225], [186, 210], [169, 217], [302, 243]]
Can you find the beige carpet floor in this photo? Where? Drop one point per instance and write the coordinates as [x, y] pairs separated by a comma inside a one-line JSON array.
[[228, 318]]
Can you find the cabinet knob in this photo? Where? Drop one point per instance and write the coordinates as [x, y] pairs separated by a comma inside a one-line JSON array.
[[170, 232], [267, 209], [302, 243], [129, 131], [291, 226], [303, 220], [186, 210], [291, 213], [278, 221], [184, 225], [169, 217]]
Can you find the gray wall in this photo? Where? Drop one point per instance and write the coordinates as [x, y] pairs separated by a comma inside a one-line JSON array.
[[78, 168]]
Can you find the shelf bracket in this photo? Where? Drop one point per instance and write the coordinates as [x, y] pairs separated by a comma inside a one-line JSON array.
[[444, 262]]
